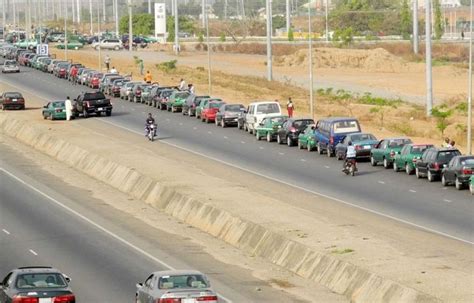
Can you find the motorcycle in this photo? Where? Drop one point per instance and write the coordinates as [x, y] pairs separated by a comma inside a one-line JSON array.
[[151, 132], [350, 168]]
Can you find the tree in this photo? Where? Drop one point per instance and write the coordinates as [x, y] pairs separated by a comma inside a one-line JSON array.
[[405, 20], [438, 27], [185, 25], [441, 114], [291, 36], [143, 24]]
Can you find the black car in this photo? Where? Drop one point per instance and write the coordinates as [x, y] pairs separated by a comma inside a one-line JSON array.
[[228, 114], [162, 97], [36, 284], [192, 102], [116, 85], [362, 142], [92, 103], [431, 163], [458, 171], [291, 129]]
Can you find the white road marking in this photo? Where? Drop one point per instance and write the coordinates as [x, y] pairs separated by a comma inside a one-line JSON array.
[[447, 201], [96, 225], [225, 137], [261, 147], [381, 182], [281, 154], [303, 160], [412, 191], [209, 132], [243, 142], [6, 231], [33, 252], [326, 166]]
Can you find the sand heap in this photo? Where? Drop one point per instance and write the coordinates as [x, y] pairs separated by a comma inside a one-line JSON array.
[[374, 60]]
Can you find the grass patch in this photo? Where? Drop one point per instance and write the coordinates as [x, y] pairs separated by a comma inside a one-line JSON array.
[[342, 251], [167, 66], [282, 283]]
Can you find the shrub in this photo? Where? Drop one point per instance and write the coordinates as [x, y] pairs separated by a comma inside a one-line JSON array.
[[441, 114], [167, 66], [291, 36], [222, 37], [201, 37]]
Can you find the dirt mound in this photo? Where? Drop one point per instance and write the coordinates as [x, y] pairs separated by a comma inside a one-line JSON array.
[[375, 60]]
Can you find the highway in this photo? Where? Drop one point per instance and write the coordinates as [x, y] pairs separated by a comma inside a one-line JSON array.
[[397, 196], [44, 221]]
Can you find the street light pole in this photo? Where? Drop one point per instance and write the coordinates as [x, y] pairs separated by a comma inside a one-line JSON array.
[[208, 52], [469, 102], [288, 17], [327, 20], [429, 76], [130, 34], [65, 32], [98, 38], [269, 40], [90, 13], [3, 19], [310, 56], [415, 26], [176, 28], [116, 18]]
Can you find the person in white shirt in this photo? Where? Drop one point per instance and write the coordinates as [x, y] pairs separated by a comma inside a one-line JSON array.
[[113, 70], [351, 154], [68, 105], [191, 88], [182, 85]]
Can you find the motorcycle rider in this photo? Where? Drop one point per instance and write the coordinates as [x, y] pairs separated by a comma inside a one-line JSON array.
[[350, 155], [149, 121]]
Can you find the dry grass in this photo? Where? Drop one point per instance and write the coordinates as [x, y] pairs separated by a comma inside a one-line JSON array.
[[281, 283]]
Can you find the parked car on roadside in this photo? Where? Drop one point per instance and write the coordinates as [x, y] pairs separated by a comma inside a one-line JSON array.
[[209, 111], [431, 163], [34, 284], [306, 138], [203, 104], [114, 44], [269, 127], [228, 114], [179, 285], [92, 103], [257, 111], [362, 142], [125, 89], [192, 102], [406, 158], [176, 101], [135, 94], [55, 110], [94, 80], [458, 172], [12, 100], [117, 86], [330, 131], [386, 150], [290, 130], [10, 66]]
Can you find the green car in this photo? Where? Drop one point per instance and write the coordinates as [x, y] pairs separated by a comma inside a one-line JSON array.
[[176, 101], [71, 45], [407, 156], [386, 150], [30, 44], [269, 127], [306, 139], [471, 185], [203, 103], [55, 110], [36, 63], [150, 39]]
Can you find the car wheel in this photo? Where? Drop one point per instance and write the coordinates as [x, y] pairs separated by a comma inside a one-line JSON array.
[[108, 113], [99, 114], [372, 161], [458, 184], [386, 164], [395, 167], [443, 180], [320, 149], [430, 176], [279, 139], [269, 137], [257, 135], [417, 173], [289, 142], [408, 170], [44, 116], [116, 48], [299, 145]]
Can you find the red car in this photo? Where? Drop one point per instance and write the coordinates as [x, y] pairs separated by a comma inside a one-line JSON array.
[[12, 100], [24, 58], [210, 110], [95, 80]]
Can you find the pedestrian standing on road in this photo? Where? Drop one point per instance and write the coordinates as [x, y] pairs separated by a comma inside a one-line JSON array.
[[113, 70], [68, 106], [148, 77], [290, 107], [140, 66], [74, 75], [107, 62], [182, 84]]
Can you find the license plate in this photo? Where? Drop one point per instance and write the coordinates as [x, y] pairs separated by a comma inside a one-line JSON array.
[[100, 109], [45, 300], [14, 100], [366, 146], [188, 301]]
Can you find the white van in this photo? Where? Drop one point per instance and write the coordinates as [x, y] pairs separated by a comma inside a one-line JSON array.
[[257, 111]]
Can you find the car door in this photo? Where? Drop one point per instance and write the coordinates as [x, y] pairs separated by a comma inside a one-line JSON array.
[[377, 151], [144, 293], [5, 288], [401, 156], [422, 165], [451, 169]]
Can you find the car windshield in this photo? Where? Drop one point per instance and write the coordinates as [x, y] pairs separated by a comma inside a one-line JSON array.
[[398, 142], [468, 162], [448, 155], [215, 104], [182, 95], [362, 137], [269, 108], [278, 120], [58, 104], [13, 95], [10, 63], [234, 108], [94, 96], [40, 280], [118, 83], [347, 126], [183, 281], [166, 93], [302, 123], [419, 149]]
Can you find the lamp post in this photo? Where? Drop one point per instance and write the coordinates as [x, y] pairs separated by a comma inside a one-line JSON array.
[[269, 40], [429, 69], [469, 102], [415, 26], [176, 28], [98, 38], [310, 56], [208, 51], [130, 33], [65, 32]]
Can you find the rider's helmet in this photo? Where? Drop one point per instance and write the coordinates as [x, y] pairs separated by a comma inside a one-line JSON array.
[[349, 143]]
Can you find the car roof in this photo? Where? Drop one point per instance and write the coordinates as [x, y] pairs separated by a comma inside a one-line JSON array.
[[336, 119], [36, 269], [263, 102], [180, 272]]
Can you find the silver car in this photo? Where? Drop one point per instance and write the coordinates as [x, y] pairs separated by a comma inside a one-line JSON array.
[[184, 286], [114, 44], [126, 89], [10, 66]]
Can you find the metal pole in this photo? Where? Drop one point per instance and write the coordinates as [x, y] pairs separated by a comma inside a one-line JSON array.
[[208, 54], [225, 10], [288, 19], [116, 19], [176, 28], [90, 13], [78, 11], [74, 11], [269, 40], [415, 26], [98, 30], [130, 26], [203, 12], [14, 15], [3, 19], [149, 6], [469, 100], [103, 11], [429, 76], [65, 32], [310, 56], [327, 20]]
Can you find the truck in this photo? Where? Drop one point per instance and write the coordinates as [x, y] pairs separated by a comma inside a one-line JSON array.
[[92, 103]]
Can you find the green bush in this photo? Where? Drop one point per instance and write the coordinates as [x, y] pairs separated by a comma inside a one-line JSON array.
[[441, 114], [167, 66], [201, 37], [222, 37], [291, 36], [343, 37]]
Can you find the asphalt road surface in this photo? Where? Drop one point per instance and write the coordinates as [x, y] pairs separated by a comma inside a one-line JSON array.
[[44, 221], [425, 205]]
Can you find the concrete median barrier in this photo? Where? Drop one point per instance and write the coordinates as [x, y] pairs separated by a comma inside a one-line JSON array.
[[340, 276]]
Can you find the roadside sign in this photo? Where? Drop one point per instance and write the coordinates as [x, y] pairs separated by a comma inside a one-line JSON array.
[[42, 49]]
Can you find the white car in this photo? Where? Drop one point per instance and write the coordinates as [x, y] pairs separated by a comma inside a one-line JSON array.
[[257, 111], [114, 44], [10, 66]]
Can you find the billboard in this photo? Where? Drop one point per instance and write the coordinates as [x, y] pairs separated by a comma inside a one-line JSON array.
[[160, 20]]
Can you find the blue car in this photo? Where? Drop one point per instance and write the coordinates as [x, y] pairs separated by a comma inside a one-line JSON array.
[[331, 131], [362, 142]]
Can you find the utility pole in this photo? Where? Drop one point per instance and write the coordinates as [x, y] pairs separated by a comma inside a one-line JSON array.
[[130, 35], [415, 26], [4, 24], [208, 53], [203, 12], [429, 76], [78, 11], [176, 28], [103, 11], [288, 16], [327, 20], [65, 32], [310, 56], [74, 11], [225, 10], [90, 14], [269, 40], [469, 101], [149, 6], [98, 30], [116, 18]]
